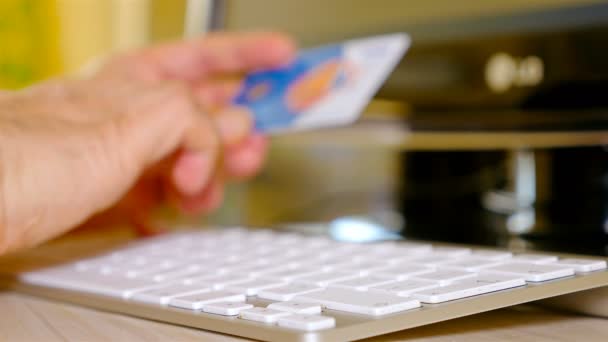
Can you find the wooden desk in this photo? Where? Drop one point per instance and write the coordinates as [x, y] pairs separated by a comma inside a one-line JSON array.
[[28, 318]]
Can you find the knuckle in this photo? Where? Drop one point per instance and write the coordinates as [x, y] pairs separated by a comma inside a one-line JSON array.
[[175, 99]]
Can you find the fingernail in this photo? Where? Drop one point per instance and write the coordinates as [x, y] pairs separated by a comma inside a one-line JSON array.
[[234, 125], [192, 171]]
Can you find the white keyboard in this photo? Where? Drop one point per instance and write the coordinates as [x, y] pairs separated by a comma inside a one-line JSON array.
[[285, 286]]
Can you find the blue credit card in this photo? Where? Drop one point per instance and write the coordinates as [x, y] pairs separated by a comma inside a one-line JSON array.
[[324, 86]]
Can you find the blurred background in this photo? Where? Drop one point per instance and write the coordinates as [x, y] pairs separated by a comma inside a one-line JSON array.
[[492, 130]]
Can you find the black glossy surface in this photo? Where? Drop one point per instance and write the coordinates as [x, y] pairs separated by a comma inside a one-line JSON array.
[[441, 199], [510, 121]]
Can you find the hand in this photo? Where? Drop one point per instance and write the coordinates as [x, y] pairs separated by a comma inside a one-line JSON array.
[[151, 126]]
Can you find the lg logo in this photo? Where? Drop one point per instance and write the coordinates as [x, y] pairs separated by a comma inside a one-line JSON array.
[[504, 71]]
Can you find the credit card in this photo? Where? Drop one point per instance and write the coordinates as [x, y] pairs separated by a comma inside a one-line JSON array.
[[325, 86]]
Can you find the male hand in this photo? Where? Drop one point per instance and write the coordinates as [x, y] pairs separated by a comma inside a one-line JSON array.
[[151, 126]]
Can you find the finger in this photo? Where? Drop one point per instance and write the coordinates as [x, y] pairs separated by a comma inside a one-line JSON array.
[[234, 125], [246, 159], [205, 202], [192, 171], [217, 93], [218, 53], [198, 156], [162, 123]]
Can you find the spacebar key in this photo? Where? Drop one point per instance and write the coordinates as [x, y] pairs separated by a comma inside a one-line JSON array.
[[366, 303]]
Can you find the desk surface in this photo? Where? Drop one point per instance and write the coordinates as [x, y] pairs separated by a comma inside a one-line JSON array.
[[28, 318]]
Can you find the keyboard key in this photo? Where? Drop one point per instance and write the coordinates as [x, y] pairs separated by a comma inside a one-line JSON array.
[[344, 248], [292, 274], [307, 322], [407, 248], [533, 272], [338, 264], [197, 301], [381, 248], [472, 264], [96, 263], [403, 271], [264, 315], [226, 308], [363, 283], [116, 286], [399, 259], [491, 255], [116, 270], [297, 307], [67, 278], [308, 261], [176, 273], [397, 256], [445, 276], [316, 241], [534, 258], [406, 287], [261, 270], [147, 270], [215, 267], [451, 251], [366, 267], [582, 265], [219, 282], [324, 279], [484, 283], [366, 303], [254, 286], [163, 295], [287, 292], [431, 260]]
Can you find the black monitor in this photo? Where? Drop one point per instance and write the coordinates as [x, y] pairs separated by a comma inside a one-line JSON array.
[[473, 54], [552, 59]]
